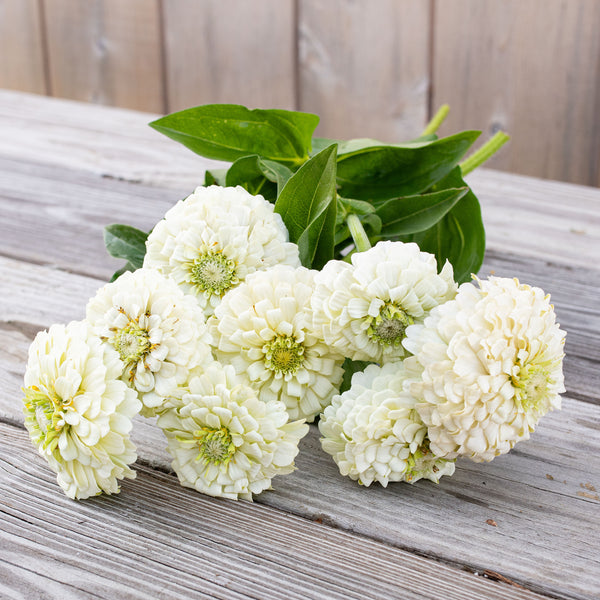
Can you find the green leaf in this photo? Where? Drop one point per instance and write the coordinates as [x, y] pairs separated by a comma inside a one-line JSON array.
[[275, 172], [247, 172], [307, 205], [367, 171], [230, 131], [459, 236], [411, 214], [215, 177], [123, 241], [350, 367]]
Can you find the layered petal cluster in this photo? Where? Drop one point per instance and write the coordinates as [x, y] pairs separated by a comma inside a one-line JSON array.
[[77, 410], [264, 329], [212, 240], [225, 441], [159, 332], [374, 433], [491, 366], [363, 310]]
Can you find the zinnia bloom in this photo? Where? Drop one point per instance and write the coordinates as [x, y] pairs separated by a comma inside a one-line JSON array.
[[225, 441], [363, 310], [264, 329], [159, 332], [212, 240], [491, 366], [77, 411], [374, 433]]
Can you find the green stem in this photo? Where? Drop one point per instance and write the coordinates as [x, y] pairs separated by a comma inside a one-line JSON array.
[[358, 233], [486, 151], [437, 120]]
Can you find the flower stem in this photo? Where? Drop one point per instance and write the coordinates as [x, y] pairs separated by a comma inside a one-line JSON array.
[[486, 151], [437, 120], [358, 233]]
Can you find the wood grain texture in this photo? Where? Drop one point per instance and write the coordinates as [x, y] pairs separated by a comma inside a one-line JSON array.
[[106, 51], [230, 51], [530, 68], [157, 539], [95, 139], [21, 46], [538, 495], [363, 67]]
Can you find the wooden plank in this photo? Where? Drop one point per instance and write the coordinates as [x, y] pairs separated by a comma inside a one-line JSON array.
[[183, 544], [552, 221], [535, 77], [117, 51], [364, 67], [230, 51], [538, 495], [95, 139], [21, 46]]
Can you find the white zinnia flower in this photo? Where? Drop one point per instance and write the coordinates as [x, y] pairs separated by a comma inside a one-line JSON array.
[[212, 240], [159, 332], [77, 411], [374, 433], [362, 310], [264, 329], [491, 363], [225, 441]]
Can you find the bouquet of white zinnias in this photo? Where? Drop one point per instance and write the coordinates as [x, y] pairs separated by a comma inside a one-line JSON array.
[[241, 318]]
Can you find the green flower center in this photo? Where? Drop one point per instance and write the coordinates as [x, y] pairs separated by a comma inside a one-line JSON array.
[[132, 343], [283, 354], [215, 445], [531, 387], [213, 273], [419, 461], [388, 328], [44, 416]]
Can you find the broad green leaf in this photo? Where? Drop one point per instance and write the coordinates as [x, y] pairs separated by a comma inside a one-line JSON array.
[[411, 214], [275, 172], [459, 236], [215, 177], [307, 205], [123, 241], [381, 172], [247, 172], [350, 367], [230, 131]]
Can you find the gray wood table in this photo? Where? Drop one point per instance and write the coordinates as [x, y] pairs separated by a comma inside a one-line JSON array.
[[526, 525]]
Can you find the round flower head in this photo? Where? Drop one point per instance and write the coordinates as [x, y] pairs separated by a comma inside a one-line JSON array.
[[77, 411], [491, 366], [263, 328], [362, 310], [212, 240], [159, 332], [374, 432], [225, 441]]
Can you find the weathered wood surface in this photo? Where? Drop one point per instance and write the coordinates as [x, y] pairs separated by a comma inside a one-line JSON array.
[[538, 496], [22, 54], [364, 67], [524, 67], [106, 52], [230, 51], [170, 542]]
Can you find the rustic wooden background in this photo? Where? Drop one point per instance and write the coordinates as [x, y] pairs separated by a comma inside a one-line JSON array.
[[369, 68]]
